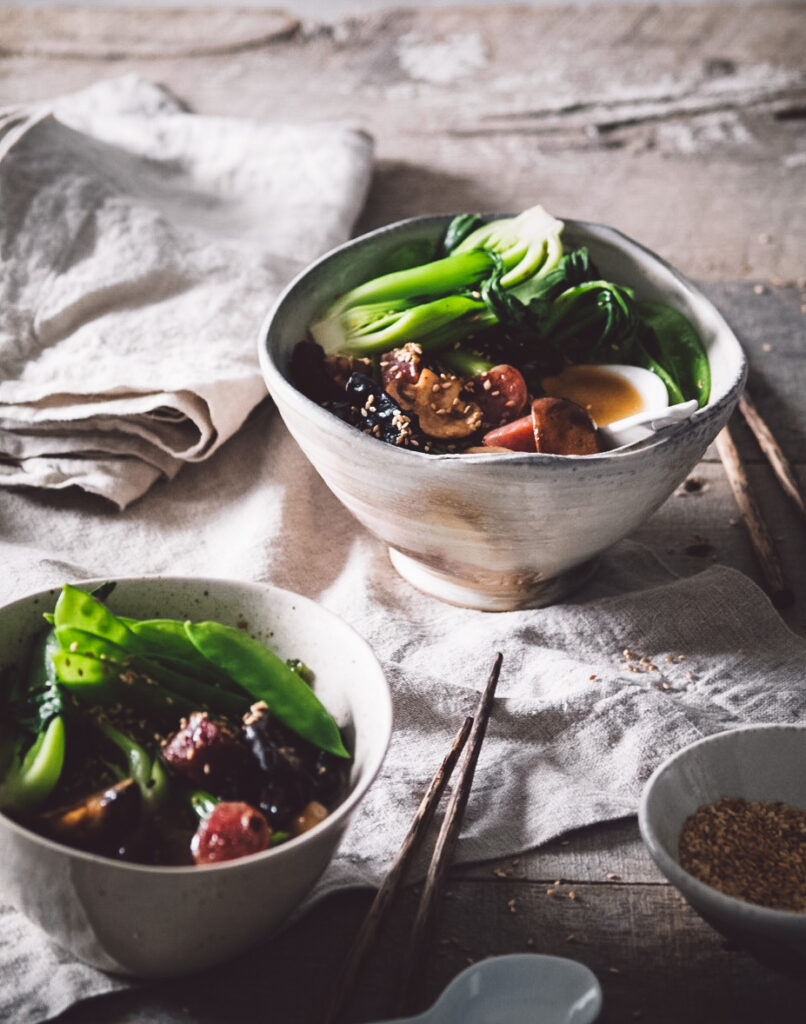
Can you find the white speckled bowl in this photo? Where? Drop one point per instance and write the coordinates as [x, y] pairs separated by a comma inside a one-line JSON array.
[[160, 921], [504, 531], [760, 762]]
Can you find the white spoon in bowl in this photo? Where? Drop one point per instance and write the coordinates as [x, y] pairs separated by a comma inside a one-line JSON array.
[[523, 988]]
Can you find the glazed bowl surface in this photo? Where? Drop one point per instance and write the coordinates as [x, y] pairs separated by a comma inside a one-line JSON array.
[[756, 763], [160, 921], [504, 531]]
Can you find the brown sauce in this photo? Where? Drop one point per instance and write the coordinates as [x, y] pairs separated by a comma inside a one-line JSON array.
[[606, 396]]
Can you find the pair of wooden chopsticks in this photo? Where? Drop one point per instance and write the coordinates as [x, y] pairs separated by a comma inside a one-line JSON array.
[[774, 577], [471, 733]]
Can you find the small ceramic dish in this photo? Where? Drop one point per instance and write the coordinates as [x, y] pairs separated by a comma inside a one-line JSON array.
[[757, 763], [159, 921], [510, 530], [517, 989]]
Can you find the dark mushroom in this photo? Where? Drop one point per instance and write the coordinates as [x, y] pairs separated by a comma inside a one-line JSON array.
[[100, 822]]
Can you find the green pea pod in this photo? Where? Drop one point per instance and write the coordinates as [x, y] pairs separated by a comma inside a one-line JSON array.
[[100, 682], [82, 611], [266, 677], [677, 347], [32, 779], [202, 695], [166, 638]]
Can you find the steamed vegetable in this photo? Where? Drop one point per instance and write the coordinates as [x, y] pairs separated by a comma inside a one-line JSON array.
[[497, 294], [439, 302], [118, 734]]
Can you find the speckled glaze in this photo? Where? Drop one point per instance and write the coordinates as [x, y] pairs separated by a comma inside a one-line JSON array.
[[152, 921], [504, 531], [763, 762], [516, 989]]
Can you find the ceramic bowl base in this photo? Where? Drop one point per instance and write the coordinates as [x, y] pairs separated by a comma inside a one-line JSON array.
[[504, 594]]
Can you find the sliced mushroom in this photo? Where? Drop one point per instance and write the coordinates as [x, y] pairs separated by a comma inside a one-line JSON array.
[[100, 822], [400, 369], [442, 409]]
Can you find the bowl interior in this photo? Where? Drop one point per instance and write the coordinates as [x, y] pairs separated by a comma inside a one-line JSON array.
[[759, 763], [413, 241], [348, 678]]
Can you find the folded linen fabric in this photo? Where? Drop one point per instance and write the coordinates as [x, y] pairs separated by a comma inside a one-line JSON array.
[[576, 728], [141, 247]]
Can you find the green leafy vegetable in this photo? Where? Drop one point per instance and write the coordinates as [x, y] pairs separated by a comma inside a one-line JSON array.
[[676, 346], [438, 302], [31, 775], [266, 677]]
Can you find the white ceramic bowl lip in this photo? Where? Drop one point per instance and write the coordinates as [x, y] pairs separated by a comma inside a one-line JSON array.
[[726, 906], [279, 385], [331, 822]]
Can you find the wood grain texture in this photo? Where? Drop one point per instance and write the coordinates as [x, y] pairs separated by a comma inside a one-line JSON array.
[[655, 958], [680, 125], [105, 34]]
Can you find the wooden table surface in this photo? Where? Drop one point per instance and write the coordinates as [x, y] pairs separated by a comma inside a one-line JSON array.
[[682, 126]]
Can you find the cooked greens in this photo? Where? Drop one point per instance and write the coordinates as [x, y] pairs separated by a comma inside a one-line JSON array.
[[506, 292], [116, 726]]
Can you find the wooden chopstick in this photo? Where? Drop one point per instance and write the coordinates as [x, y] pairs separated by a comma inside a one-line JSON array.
[[772, 450], [446, 841], [383, 899], [776, 584]]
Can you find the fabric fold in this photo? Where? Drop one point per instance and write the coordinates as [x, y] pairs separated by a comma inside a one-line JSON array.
[[142, 246]]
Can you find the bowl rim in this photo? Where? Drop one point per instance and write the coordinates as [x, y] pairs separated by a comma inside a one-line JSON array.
[[331, 822], [701, 892], [278, 385]]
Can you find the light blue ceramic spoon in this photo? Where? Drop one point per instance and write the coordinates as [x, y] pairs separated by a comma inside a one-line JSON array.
[[519, 989]]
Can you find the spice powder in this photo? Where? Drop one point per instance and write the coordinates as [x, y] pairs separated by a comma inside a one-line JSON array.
[[753, 851]]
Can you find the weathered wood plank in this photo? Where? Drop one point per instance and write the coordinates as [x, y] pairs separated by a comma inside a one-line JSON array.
[[108, 33], [589, 855], [676, 116], [656, 959]]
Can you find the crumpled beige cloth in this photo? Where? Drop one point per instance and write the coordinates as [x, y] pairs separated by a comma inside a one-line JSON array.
[[140, 248], [575, 730]]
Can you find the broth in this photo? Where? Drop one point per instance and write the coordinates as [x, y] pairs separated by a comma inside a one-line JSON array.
[[605, 396]]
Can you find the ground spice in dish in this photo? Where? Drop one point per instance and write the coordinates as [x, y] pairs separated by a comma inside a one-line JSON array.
[[753, 851]]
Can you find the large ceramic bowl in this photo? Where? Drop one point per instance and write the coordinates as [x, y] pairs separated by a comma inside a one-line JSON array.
[[157, 921], [507, 531], [757, 763]]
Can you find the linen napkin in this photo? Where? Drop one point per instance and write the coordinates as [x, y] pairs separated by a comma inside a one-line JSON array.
[[141, 247], [577, 725]]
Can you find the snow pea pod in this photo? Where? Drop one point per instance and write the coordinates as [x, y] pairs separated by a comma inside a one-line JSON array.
[[266, 677], [166, 639], [677, 347], [100, 682], [201, 694], [82, 611]]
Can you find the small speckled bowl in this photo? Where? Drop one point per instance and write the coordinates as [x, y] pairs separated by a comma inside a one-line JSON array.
[[756, 763], [159, 921], [495, 532]]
